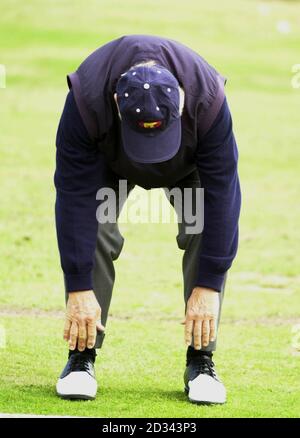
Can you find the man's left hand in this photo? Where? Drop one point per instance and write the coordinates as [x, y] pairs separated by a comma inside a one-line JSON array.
[[201, 317]]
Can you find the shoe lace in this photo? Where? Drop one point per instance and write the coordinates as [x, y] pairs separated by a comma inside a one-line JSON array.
[[205, 366], [79, 362]]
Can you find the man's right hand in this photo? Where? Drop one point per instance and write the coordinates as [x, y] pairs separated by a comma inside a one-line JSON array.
[[82, 320]]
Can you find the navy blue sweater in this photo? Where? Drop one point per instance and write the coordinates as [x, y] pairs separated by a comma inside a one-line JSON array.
[[81, 170]]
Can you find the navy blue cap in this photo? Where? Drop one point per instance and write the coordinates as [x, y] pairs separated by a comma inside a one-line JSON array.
[[148, 99]]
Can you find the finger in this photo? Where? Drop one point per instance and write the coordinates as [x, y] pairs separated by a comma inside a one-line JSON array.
[[189, 324], [205, 333], [212, 326], [183, 322], [91, 334], [82, 334], [67, 330], [100, 327], [73, 336], [197, 335]]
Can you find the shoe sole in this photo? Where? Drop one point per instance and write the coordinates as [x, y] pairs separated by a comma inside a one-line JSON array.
[[75, 397], [202, 402]]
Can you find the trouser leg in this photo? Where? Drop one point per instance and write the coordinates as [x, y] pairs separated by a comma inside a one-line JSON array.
[[191, 243], [108, 249], [109, 246]]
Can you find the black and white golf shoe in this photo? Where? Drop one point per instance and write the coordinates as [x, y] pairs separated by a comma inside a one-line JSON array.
[[77, 381], [202, 384]]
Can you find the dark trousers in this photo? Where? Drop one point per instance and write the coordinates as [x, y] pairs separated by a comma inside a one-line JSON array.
[[110, 243]]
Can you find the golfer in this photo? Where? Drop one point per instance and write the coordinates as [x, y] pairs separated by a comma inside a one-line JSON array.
[[150, 112]]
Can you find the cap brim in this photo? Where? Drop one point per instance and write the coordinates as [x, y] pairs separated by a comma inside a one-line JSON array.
[[152, 149]]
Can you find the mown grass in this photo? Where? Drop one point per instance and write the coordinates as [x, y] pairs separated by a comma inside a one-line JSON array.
[[140, 368]]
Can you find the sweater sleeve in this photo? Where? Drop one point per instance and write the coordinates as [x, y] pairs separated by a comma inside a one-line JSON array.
[[217, 160], [78, 176]]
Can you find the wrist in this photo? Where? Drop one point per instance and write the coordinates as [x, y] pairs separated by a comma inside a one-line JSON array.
[[85, 291], [200, 289], [78, 282]]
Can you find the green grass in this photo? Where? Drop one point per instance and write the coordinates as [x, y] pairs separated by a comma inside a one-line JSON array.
[[40, 42], [150, 384]]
